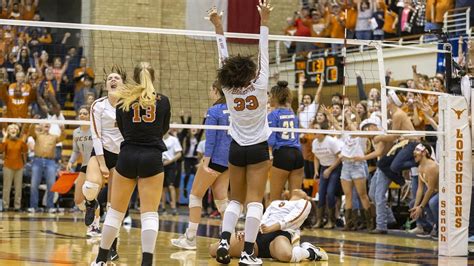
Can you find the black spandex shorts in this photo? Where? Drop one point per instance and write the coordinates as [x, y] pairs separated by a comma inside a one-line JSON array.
[[109, 157], [139, 161], [217, 167], [288, 158], [244, 155], [83, 169], [264, 240], [170, 175]]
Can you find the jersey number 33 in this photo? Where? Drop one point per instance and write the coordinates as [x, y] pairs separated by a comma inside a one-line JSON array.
[[148, 117]]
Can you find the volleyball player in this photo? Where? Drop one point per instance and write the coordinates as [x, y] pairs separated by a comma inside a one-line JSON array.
[[280, 230], [82, 146], [245, 87], [106, 139], [287, 157], [213, 170], [142, 117]]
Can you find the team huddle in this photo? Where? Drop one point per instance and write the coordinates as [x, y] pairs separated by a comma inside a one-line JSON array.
[[124, 148]]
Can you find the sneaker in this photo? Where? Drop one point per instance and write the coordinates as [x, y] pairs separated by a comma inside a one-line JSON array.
[[246, 259], [222, 254], [378, 231], [320, 253], [416, 230], [424, 234], [215, 215], [174, 212], [98, 263], [184, 242], [97, 231], [31, 210], [52, 210], [434, 233], [162, 211], [89, 216], [113, 255], [127, 220], [471, 239], [93, 231]]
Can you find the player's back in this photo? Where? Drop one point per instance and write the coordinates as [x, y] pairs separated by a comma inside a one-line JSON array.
[[145, 126], [283, 118]]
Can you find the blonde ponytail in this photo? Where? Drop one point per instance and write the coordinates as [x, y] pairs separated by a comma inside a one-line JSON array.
[[143, 91]]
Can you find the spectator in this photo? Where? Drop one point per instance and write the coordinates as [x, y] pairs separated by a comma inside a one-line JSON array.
[[24, 58], [363, 30], [300, 22], [18, 97], [29, 8], [173, 153], [427, 197], [80, 97], [14, 149], [378, 18], [44, 165], [405, 17], [435, 10], [336, 25], [351, 22], [15, 11], [10, 66], [81, 72]]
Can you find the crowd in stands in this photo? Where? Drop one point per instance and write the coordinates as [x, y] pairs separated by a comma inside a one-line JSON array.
[[364, 19], [35, 85]]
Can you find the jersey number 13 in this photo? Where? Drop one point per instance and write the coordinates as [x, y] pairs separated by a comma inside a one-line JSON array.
[[148, 117]]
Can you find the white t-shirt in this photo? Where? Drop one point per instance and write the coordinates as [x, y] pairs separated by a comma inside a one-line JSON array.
[[308, 115], [173, 146], [290, 214], [353, 146], [201, 147], [327, 150], [248, 106], [104, 129]]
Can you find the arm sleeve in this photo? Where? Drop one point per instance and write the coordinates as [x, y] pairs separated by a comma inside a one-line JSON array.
[[96, 129], [360, 88], [211, 134], [222, 48], [261, 81], [296, 217], [272, 122]]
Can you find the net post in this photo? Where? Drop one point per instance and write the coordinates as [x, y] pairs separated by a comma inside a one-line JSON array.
[[383, 85]]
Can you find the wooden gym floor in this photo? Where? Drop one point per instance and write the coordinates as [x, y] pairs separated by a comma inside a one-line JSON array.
[[44, 239]]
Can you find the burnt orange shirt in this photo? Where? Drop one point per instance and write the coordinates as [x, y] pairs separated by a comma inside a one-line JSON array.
[[336, 25], [29, 14], [351, 18], [435, 9], [17, 106], [389, 17], [14, 151], [307, 146]]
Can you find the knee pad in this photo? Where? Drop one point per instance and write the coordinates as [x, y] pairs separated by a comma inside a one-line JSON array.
[[194, 201], [150, 221], [221, 205], [90, 190], [255, 210], [234, 207], [81, 206], [114, 218]]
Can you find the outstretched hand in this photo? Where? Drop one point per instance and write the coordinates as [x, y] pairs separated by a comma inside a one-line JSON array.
[[216, 19], [264, 8]]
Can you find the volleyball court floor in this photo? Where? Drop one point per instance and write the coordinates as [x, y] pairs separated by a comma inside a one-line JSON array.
[[59, 239]]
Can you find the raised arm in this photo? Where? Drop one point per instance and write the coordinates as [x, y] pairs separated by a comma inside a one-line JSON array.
[[261, 81], [216, 20]]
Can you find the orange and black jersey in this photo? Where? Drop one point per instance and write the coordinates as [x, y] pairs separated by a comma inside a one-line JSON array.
[[145, 126]]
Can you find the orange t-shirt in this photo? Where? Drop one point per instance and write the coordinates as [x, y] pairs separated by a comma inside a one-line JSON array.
[[389, 17], [17, 106], [307, 146], [14, 151], [29, 14], [337, 26], [351, 18]]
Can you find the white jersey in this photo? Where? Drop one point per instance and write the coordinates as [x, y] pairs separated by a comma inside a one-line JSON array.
[[105, 133], [248, 106], [173, 147], [290, 214]]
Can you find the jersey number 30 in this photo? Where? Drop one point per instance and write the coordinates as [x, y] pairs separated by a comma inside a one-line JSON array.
[[148, 117], [251, 103]]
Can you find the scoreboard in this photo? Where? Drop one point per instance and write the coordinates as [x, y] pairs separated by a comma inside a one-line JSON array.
[[312, 68]]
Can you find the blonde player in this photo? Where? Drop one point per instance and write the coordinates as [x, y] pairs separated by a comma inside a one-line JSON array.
[[244, 84]]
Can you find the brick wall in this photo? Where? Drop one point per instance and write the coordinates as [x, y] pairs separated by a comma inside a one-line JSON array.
[[185, 67]]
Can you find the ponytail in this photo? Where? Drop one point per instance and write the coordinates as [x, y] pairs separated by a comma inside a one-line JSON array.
[[143, 91]]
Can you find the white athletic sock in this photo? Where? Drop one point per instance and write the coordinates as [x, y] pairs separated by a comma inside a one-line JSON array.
[[192, 230], [150, 225], [96, 222], [231, 216], [298, 254], [252, 221], [112, 223]]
